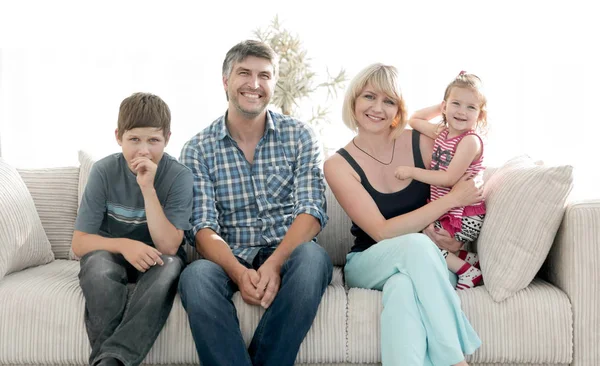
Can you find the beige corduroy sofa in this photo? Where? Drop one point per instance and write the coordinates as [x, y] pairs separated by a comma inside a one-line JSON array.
[[554, 321]]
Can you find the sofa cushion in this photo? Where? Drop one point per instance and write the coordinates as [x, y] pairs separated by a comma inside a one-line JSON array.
[[85, 166], [45, 306], [534, 326], [54, 193], [42, 316], [336, 238], [23, 242], [191, 252], [525, 204]]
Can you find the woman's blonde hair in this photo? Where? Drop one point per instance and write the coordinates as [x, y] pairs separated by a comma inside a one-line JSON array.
[[384, 79]]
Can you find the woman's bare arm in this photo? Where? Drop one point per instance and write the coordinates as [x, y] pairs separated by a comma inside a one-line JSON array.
[[363, 211]]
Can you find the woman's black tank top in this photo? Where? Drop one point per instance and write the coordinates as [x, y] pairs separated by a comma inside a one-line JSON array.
[[390, 205]]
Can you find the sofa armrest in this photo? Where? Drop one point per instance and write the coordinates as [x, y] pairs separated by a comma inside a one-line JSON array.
[[573, 266]]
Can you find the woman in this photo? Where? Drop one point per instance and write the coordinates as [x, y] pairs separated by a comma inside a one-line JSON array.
[[422, 322]]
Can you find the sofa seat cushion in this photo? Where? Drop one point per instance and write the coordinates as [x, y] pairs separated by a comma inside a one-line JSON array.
[[42, 322], [533, 326]]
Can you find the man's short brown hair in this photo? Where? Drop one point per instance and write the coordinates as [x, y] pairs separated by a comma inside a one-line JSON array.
[[144, 110]]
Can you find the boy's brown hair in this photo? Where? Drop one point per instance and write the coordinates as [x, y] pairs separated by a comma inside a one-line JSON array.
[[144, 110]]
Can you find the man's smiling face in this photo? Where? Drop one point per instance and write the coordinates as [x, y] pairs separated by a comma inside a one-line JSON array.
[[250, 86]]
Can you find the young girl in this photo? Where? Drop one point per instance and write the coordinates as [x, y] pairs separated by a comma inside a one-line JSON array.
[[457, 150]]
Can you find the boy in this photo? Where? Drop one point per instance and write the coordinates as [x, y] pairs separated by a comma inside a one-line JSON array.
[[129, 228]]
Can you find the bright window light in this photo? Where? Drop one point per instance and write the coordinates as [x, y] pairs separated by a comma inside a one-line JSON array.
[[63, 77]]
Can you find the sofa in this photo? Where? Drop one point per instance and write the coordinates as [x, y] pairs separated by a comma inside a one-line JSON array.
[[554, 320]]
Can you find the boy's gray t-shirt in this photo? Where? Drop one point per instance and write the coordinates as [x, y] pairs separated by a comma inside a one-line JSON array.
[[112, 205]]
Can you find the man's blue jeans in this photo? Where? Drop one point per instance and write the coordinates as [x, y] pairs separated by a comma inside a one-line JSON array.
[[118, 329], [206, 293]]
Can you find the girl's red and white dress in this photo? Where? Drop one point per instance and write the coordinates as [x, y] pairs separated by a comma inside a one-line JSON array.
[[463, 223]]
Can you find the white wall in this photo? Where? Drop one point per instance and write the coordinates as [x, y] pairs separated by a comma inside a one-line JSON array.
[[63, 76]]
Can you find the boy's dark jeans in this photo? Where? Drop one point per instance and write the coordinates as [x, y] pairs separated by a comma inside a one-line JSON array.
[[117, 328]]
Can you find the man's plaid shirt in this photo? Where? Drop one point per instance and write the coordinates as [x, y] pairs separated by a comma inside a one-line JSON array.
[[251, 206]]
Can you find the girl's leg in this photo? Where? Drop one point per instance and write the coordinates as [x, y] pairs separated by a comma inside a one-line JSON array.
[[466, 264], [469, 257], [428, 307], [470, 228], [468, 276]]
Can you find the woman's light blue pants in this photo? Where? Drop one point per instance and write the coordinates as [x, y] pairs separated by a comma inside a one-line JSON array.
[[422, 322]]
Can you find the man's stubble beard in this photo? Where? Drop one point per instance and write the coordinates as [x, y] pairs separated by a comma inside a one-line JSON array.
[[246, 113]]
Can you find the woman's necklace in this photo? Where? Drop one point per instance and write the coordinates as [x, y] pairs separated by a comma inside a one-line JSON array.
[[374, 158]]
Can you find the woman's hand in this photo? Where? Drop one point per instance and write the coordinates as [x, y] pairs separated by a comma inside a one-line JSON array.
[[466, 192], [442, 239]]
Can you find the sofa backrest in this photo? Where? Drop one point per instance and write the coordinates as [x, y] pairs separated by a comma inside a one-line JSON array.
[[336, 237], [54, 193]]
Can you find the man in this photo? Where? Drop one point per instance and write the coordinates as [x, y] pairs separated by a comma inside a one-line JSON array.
[[259, 202]]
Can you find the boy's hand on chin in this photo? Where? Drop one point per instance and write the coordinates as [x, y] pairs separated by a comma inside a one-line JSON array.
[[145, 170]]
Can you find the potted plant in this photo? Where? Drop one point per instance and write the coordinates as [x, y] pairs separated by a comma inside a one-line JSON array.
[[297, 83]]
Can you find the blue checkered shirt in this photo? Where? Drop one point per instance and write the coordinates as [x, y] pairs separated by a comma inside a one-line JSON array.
[[251, 206]]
